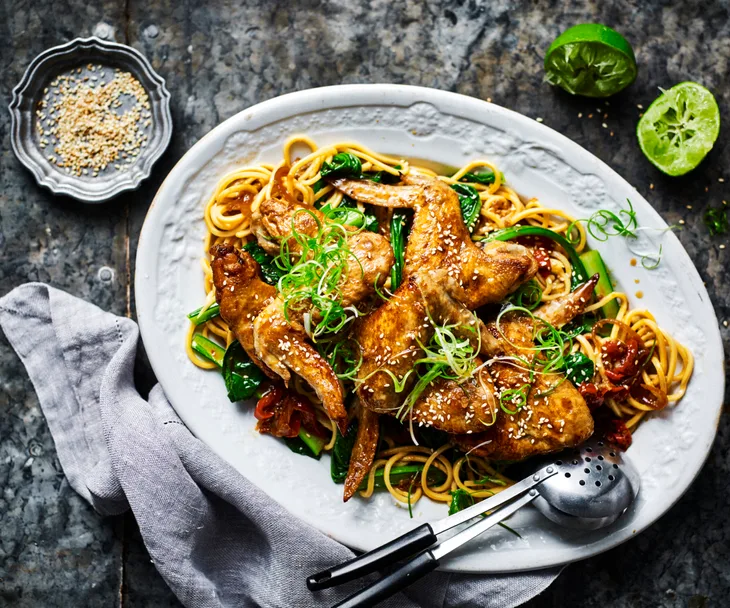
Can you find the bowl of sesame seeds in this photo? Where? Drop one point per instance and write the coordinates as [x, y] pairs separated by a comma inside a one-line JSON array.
[[90, 118]]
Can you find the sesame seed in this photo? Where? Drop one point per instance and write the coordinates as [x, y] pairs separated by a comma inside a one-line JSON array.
[[91, 129]]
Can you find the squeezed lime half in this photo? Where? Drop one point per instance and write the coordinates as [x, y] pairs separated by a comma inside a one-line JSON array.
[[592, 60], [679, 128]]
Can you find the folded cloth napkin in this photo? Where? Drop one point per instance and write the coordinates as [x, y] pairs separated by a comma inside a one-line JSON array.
[[215, 537]]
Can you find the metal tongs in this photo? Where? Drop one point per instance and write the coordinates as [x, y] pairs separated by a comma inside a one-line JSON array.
[[420, 540]]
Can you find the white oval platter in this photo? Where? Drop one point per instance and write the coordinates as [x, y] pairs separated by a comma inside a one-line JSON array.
[[669, 449]]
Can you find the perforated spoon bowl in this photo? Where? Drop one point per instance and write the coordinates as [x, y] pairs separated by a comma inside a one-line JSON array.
[[594, 485]]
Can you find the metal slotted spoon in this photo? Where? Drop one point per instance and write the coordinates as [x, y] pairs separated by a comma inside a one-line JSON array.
[[585, 488], [593, 487]]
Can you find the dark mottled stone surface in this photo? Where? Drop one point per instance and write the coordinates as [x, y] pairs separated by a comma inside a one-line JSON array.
[[220, 57]]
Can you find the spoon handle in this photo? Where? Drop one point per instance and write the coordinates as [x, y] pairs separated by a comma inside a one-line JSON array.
[[428, 561], [399, 548]]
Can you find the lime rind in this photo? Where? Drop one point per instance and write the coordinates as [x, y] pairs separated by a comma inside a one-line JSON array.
[[590, 59], [679, 128]]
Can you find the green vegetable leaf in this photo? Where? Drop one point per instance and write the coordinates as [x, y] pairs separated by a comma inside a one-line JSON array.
[[582, 324], [306, 444], [241, 376], [270, 272], [381, 177], [716, 220], [341, 453], [296, 445], [319, 184], [484, 177], [579, 368], [343, 164], [460, 500], [470, 203], [398, 237]]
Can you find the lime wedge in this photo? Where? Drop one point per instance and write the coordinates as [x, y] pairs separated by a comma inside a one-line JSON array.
[[679, 128], [592, 60]]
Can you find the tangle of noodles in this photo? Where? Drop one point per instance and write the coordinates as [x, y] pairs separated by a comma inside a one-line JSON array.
[[228, 220]]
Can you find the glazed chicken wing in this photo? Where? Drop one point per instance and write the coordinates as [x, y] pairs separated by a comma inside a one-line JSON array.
[[276, 341], [241, 294], [363, 452], [446, 275], [284, 347], [439, 240], [555, 414]]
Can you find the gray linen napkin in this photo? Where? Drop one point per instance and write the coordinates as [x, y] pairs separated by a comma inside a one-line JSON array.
[[216, 539]]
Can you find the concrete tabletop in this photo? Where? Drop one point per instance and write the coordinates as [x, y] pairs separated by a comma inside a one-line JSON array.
[[220, 57]]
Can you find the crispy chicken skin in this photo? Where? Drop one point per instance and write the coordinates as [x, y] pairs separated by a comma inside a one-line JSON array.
[[545, 424], [241, 294], [369, 264], [457, 408], [389, 339], [363, 452]]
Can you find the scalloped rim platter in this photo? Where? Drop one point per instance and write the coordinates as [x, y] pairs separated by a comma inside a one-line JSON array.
[[669, 449]]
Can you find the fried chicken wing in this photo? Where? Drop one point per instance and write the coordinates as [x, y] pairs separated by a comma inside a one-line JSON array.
[[363, 452], [554, 415], [439, 240], [241, 294], [547, 422], [389, 344], [458, 407], [284, 347]]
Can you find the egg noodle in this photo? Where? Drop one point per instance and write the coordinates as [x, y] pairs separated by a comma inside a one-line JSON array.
[[228, 221]]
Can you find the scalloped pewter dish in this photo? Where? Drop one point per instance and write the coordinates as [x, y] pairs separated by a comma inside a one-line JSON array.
[[60, 60], [669, 448]]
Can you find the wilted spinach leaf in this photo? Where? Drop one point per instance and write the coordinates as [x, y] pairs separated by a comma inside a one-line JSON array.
[[270, 272], [485, 177], [579, 368], [240, 374], [341, 453], [343, 164], [470, 203]]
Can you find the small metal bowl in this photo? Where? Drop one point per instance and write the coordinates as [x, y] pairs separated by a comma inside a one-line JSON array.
[[60, 60]]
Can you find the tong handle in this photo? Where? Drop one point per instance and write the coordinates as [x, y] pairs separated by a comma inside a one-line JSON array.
[[397, 580], [409, 543]]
